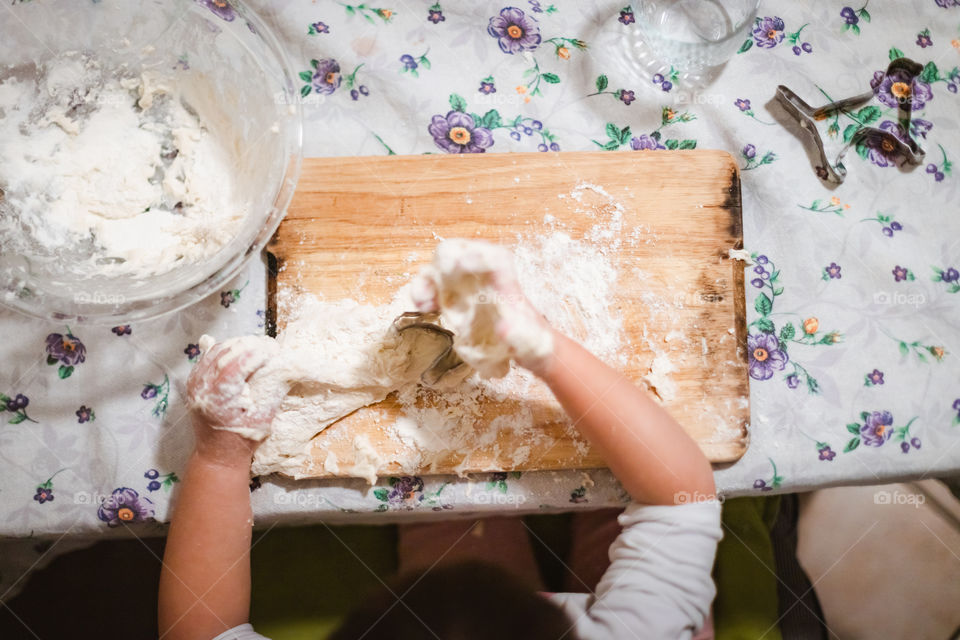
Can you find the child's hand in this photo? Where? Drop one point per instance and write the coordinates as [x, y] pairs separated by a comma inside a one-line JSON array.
[[475, 286], [228, 423]]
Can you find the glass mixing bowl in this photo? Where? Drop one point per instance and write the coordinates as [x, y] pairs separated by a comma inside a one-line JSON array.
[[233, 58]]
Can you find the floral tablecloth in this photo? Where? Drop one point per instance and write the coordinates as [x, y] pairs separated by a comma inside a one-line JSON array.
[[853, 292]]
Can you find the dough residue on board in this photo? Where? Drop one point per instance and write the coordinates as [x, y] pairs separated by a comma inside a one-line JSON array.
[[105, 174], [331, 359]]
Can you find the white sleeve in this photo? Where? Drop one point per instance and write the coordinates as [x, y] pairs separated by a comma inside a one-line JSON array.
[[243, 632], [659, 582]]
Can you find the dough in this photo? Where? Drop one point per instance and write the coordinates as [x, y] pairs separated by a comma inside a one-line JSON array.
[[111, 176], [330, 360], [475, 286]]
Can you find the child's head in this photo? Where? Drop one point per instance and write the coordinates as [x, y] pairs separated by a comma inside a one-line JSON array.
[[457, 602]]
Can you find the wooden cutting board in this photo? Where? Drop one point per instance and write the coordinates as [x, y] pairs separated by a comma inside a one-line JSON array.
[[360, 227]]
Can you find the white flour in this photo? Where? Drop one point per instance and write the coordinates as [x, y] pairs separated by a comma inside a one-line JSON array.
[[339, 356], [110, 176]]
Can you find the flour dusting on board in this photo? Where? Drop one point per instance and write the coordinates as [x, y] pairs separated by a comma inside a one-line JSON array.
[[581, 263], [570, 275]]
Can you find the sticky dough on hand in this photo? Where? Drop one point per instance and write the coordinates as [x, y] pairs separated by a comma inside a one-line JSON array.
[[244, 400], [474, 286]]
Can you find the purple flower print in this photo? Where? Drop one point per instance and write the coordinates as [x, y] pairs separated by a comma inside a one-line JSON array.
[[122, 330], [626, 96], [409, 63], [405, 489], [66, 349], [17, 403], [919, 127], [761, 485], [742, 104], [221, 8], [326, 80], [43, 494], [319, 27], [456, 132], [151, 474], [881, 151], [826, 453], [192, 351], [626, 16], [757, 282], [793, 381], [85, 414], [833, 270], [153, 485], [149, 391], [896, 129], [514, 30], [877, 429], [875, 377], [749, 151], [900, 273], [435, 15], [765, 355], [768, 32], [487, 87], [915, 442], [645, 143], [899, 88], [924, 40], [124, 506], [950, 275], [849, 15]]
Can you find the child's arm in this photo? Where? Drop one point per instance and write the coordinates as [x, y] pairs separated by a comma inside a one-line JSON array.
[[205, 579], [647, 450]]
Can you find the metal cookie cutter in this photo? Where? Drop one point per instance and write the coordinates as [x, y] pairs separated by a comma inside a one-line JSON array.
[[905, 71], [447, 364]]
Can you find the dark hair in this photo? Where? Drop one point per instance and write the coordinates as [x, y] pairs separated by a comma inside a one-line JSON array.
[[463, 601]]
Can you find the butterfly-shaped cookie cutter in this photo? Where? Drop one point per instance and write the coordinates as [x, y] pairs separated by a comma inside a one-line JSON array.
[[880, 139]]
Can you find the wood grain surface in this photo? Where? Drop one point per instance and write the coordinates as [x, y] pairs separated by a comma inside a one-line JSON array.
[[361, 227]]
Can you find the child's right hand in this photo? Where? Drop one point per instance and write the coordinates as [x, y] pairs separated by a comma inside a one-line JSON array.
[[468, 273]]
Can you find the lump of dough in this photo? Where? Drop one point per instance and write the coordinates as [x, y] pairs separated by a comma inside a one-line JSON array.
[[476, 291]]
